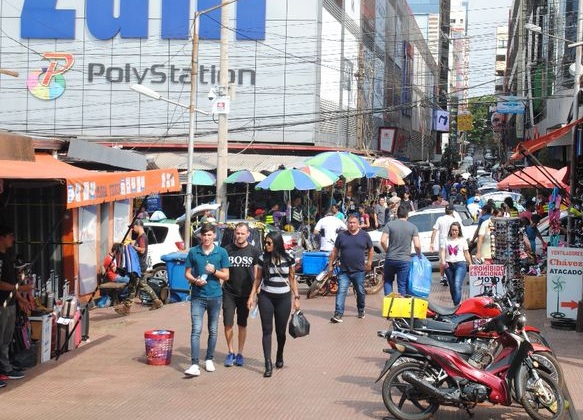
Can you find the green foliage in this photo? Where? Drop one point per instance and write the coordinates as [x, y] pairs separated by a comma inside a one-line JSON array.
[[450, 158], [481, 135]]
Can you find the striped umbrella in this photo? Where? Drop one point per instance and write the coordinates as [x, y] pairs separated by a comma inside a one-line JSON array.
[[347, 164], [287, 180], [247, 177], [382, 172], [200, 177], [393, 165], [324, 177]]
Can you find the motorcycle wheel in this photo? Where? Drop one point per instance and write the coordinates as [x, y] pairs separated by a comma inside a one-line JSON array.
[[537, 338], [402, 399], [374, 284], [316, 286], [551, 364], [542, 399]]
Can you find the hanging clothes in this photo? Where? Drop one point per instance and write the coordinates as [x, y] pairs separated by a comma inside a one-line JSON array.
[[130, 261]]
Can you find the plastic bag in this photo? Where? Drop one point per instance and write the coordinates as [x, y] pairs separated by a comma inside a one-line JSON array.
[[419, 277], [298, 325]]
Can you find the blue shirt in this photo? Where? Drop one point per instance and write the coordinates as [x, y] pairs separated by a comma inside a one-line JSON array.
[[197, 260], [352, 249]]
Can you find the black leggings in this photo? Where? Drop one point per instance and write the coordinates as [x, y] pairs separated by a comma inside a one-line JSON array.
[[278, 306]]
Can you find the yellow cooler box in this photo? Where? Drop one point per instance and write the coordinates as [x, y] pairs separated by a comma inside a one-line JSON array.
[[400, 307]]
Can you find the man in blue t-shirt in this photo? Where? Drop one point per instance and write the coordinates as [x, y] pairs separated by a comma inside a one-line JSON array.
[[350, 247], [207, 266]]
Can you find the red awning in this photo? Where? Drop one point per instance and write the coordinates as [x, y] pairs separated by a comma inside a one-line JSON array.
[[85, 187], [531, 146]]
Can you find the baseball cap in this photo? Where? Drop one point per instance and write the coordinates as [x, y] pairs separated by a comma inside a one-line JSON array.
[[259, 212], [449, 207]]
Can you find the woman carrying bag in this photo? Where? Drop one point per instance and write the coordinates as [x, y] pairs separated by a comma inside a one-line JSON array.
[[275, 286]]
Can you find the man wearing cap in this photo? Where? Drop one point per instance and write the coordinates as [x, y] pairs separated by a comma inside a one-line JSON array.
[[140, 245], [441, 228]]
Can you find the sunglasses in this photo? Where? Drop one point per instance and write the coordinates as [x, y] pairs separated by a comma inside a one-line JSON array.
[[268, 243]]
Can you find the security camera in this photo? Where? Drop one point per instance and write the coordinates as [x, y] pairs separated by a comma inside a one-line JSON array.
[[212, 95]]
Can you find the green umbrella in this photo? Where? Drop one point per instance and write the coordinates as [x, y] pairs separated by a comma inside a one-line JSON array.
[[347, 164]]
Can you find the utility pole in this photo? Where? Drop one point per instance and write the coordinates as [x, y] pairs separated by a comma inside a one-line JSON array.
[[222, 143]]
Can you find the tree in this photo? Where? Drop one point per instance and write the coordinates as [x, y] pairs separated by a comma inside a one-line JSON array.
[[450, 158], [479, 107]]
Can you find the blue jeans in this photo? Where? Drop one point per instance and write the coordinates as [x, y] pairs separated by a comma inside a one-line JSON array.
[[197, 308], [456, 273], [344, 279], [401, 269]]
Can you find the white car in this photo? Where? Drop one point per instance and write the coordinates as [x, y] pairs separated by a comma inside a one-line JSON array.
[[425, 219], [163, 238]]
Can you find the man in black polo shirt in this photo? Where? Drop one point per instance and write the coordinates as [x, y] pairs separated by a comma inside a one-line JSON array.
[[351, 246]]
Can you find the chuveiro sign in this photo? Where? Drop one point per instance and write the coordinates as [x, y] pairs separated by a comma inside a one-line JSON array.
[[41, 19]]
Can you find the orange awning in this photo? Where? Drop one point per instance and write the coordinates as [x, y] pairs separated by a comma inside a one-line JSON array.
[[85, 187], [531, 146]]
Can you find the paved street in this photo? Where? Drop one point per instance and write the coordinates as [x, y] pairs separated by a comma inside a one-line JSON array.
[[330, 374]]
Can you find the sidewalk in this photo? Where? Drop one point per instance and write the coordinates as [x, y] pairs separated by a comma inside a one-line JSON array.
[[328, 375]]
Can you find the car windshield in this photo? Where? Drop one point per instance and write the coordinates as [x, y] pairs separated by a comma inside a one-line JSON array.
[[424, 222]]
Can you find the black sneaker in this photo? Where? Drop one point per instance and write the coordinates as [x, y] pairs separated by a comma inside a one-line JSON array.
[[361, 314], [2, 384], [13, 374], [444, 281], [336, 319]]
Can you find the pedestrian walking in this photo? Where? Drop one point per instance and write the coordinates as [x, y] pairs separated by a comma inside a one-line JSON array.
[[396, 242], [207, 266], [455, 257], [350, 247], [274, 286], [440, 229], [243, 260], [328, 228], [380, 209]]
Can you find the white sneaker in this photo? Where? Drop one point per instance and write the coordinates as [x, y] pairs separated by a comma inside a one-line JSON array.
[[194, 370], [209, 366]]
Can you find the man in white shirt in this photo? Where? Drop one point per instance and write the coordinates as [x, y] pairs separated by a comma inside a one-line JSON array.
[[328, 227], [441, 228]]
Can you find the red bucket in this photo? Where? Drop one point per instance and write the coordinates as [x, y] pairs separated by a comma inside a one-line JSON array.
[[159, 346]]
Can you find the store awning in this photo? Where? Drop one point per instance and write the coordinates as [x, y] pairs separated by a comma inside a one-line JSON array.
[[531, 146], [236, 161], [85, 187]]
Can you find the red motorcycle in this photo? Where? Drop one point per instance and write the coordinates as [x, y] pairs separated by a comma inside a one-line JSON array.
[[433, 373]]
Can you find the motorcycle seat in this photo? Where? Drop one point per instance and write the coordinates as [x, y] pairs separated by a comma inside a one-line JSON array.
[[431, 325], [442, 310], [462, 348]]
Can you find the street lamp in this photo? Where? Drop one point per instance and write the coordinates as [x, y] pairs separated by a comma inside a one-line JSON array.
[[143, 90]]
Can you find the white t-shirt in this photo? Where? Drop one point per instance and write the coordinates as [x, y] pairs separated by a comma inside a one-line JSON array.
[[328, 227], [486, 249], [442, 225], [454, 249]]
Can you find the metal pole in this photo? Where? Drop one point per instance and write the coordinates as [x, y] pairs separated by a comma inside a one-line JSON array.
[[577, 88], [222, 144], [191, 112]]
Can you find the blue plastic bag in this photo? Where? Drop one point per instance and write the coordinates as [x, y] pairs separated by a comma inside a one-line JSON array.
[[419, 284]]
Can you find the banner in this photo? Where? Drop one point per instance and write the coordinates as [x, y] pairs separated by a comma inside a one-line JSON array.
[[486, 278], [564, 278]]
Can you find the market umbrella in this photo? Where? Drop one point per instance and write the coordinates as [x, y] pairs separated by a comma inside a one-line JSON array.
[[347, 164], [324, 177], [200, 177], [382, 172], [533, 176], [287, 180], [245, 177], [393, 165]]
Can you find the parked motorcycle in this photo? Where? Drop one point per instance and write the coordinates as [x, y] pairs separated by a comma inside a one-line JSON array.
[[327, 283], [434, 373]]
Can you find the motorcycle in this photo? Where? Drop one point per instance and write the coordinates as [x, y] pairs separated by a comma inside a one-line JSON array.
[[484, 344], [327, 283], [432, 373]]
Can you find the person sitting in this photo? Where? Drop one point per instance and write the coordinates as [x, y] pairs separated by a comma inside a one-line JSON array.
[[110, 264]]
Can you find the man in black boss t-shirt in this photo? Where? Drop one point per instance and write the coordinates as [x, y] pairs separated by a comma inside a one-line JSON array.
[[243, 258]]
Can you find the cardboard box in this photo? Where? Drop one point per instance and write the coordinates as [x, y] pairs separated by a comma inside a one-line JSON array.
[[535, 292], [42, 332], [399, 307]]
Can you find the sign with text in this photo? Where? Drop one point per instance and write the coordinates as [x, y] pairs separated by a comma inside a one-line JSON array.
[[564, 278], [486, 278], [387, 139]]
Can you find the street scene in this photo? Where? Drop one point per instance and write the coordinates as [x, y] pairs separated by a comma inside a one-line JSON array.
[[308, 209]]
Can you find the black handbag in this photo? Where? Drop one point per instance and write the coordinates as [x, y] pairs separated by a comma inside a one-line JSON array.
[[299, 326]]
